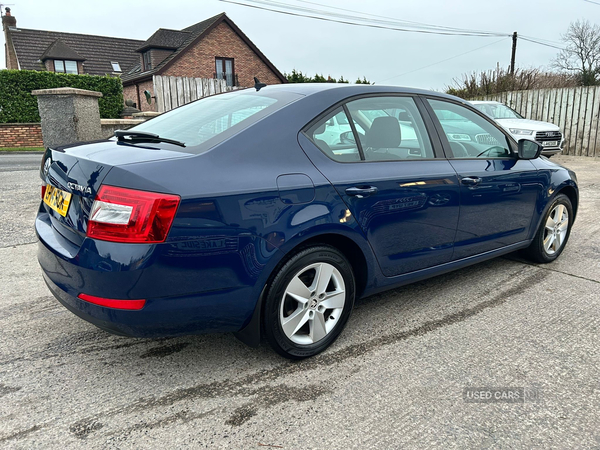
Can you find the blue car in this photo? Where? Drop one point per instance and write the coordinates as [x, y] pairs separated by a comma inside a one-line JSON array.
[[267, 212]]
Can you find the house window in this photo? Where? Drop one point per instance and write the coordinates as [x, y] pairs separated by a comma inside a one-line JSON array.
[[224, 70], [65, 66], [116, 67], [147, 61]]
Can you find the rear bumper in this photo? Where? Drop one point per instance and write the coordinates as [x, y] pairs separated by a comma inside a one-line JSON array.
[[185, 293]]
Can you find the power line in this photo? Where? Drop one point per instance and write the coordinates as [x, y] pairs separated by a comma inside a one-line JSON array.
[[421, 24], [590, 1], [393, 24], [444, 60], [535, 41], [369, 25]]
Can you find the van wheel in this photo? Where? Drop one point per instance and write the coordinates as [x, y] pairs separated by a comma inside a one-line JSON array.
[[309, 302], [554, 231]]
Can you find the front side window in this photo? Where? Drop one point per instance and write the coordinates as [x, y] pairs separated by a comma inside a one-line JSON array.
[[470, 135], [62, 66], [224, 70]]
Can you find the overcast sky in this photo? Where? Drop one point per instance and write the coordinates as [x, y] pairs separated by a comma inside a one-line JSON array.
[[383, 56]]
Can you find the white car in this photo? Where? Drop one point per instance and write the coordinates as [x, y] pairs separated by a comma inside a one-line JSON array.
[[546, 134]]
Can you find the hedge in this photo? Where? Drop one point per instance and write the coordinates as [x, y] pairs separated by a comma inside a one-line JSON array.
[[17, 105]]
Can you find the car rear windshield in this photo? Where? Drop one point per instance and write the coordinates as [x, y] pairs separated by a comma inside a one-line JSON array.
[[202, 124]]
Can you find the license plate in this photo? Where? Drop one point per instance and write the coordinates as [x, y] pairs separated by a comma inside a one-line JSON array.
[[550, 144], [57, 200]]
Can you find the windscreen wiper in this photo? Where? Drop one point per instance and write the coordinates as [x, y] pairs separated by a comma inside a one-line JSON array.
[[144, 136]]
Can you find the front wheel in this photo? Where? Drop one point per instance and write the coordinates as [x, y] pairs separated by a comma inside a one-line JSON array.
[[309, 302], [554, 231]]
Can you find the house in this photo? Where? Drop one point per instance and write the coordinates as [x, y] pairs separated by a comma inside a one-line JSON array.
[[213, 48]]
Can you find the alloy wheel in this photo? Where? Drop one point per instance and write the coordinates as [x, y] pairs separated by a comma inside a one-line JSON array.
[[312, 303], [556, 228]]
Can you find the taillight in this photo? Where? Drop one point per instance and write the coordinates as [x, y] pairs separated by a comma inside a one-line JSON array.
[[128, 215], [135, 305], [43, 191]]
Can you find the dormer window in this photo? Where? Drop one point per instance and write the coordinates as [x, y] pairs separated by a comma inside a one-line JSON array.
[[147, 60], [116, 67], [65, 66]]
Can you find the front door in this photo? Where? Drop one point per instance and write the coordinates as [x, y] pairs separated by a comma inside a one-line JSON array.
[[498, 191], [404, 198]]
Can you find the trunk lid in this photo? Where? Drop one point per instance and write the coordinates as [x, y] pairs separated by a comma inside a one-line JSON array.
[[80, 170]]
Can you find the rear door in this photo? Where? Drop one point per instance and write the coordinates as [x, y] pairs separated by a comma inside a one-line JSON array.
[[389, 172], [498, 190]]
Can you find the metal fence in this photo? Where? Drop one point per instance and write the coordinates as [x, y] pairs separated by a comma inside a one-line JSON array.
[[574, 110], [171, 92]]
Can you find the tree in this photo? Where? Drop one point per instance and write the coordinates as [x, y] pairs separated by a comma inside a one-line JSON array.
[[581, 55], [297, 76]]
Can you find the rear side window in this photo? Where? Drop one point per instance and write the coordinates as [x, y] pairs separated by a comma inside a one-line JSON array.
[[378, 129], [334, 137], [208, 121], [393, 129]]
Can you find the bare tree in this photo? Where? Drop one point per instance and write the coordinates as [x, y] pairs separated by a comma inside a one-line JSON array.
[[581, 55]]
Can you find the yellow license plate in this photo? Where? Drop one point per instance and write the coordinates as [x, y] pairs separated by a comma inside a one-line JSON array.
[[57, 200]]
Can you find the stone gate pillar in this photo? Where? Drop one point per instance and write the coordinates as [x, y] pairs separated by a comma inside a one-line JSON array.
[[68, 115]]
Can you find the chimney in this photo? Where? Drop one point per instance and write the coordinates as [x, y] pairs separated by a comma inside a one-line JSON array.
[[9, 21]]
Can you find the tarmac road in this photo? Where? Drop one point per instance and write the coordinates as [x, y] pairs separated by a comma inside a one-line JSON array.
[[394, 379]]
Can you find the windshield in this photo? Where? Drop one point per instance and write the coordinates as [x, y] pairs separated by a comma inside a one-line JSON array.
[[210, 120], [497, 111]]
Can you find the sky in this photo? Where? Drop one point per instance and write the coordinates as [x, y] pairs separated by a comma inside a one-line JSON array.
[[314, 46]]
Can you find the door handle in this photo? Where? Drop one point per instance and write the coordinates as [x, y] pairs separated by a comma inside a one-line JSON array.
[[470, 181], [361, 191]]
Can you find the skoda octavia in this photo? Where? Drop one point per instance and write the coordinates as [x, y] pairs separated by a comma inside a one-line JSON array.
[[267, 212]]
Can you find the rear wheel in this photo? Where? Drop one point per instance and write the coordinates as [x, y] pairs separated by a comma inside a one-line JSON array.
[[309, 302], [554, 231]]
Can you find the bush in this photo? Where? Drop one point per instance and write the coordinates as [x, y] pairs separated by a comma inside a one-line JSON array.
[[17, 105], [475, 85]]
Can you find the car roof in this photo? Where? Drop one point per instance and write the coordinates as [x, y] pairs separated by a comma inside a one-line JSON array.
[[351, 89], [484, 102]]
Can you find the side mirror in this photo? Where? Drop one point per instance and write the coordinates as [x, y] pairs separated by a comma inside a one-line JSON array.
[[529, 149]]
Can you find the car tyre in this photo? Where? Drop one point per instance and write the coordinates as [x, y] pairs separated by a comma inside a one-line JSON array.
[[553, 233], [309, 302]]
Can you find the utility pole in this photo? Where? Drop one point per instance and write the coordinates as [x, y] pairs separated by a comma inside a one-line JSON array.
[[514, 53]]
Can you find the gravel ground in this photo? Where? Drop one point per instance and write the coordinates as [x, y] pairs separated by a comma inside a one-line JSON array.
[[394, 379]]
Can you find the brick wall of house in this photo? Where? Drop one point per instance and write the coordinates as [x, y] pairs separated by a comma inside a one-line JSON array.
[[199, 60], [130, 93], [158, 55], [20, 135], [136, 93]]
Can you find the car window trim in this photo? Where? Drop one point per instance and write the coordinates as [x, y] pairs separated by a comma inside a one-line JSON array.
[[444, 139], [431, 132], [361, 152]]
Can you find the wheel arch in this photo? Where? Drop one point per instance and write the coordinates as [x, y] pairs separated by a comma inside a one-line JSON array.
[[362, 266], [572, 193]]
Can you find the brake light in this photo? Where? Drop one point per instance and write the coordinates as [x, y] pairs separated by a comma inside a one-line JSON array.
[[128, 215], [43, 191], [113, 303]]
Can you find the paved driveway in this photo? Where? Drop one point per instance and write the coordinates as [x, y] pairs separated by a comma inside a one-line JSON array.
[[395, 378]]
